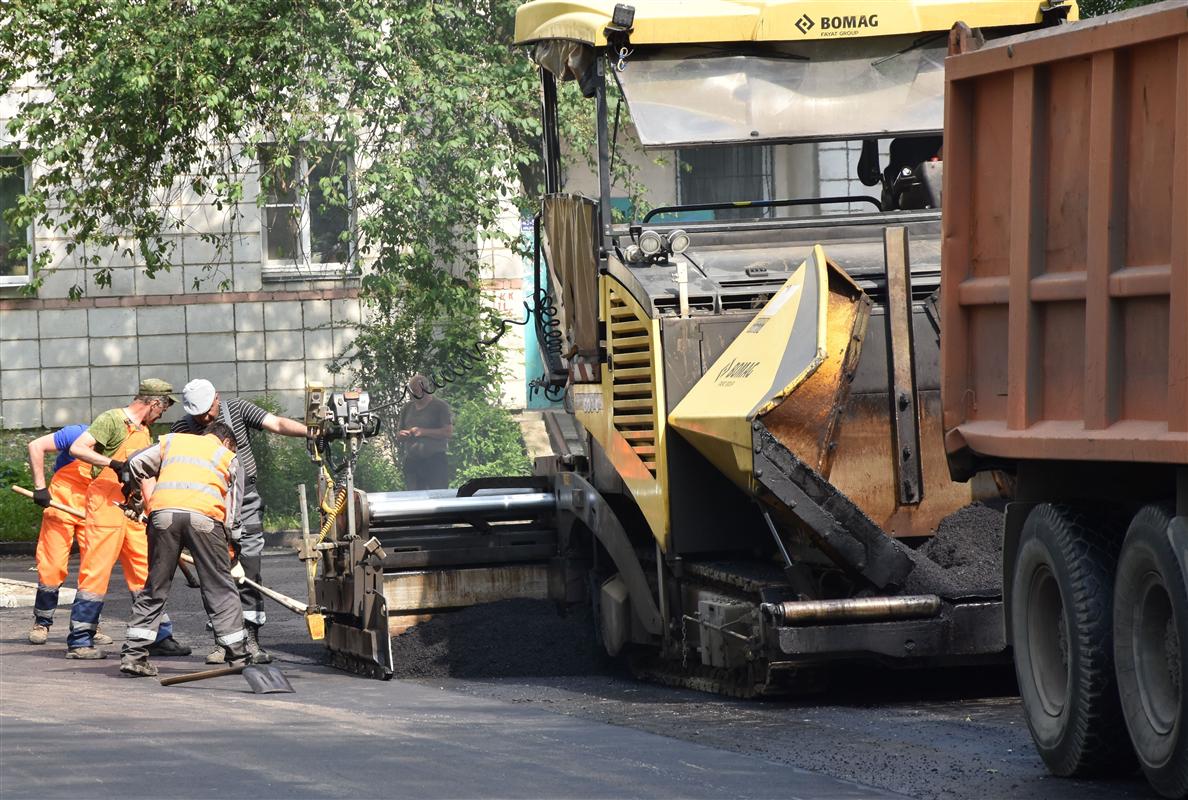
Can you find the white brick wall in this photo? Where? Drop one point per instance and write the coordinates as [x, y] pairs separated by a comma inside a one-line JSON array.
[[63, 362], [64, 365], [63, 352]]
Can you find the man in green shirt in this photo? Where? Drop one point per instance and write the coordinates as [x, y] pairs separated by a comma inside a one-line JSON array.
[[425, 431], [108, 534]]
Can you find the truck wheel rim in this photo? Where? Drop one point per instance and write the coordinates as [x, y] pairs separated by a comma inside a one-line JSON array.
[[1048, 639], [1157, 655]]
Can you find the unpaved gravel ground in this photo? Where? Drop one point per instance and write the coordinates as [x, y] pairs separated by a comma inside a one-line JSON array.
[[941, 734]]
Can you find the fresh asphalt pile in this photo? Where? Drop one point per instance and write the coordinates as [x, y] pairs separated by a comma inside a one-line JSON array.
[[963, 558], [513, 638], [533, 638]]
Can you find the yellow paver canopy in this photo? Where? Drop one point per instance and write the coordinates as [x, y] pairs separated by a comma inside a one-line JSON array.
[[703, 21]]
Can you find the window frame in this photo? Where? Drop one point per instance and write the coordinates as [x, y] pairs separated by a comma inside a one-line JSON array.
[[11, 281], [301, 267]]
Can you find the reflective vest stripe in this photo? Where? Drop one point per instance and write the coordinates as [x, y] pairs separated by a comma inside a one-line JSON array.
[[184, 486], [213, 466]]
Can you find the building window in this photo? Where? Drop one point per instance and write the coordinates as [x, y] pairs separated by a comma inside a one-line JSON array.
[[725, 175], [307, 219], [16, 244]]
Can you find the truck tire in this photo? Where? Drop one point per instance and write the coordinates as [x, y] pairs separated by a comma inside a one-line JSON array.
[[1150, 633], [1062, 634]]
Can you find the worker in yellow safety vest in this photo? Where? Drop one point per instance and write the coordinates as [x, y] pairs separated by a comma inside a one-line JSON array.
[[194, 489]]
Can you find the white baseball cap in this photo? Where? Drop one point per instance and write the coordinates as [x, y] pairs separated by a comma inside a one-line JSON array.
[[198, 396]]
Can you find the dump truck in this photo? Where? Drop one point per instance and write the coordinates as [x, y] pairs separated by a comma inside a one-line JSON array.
[[1064, 361], [767, 418]]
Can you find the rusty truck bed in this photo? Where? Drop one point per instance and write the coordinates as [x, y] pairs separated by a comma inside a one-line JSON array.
[[1065, 255]]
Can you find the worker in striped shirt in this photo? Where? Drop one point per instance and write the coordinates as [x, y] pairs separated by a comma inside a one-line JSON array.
[[203, 405]]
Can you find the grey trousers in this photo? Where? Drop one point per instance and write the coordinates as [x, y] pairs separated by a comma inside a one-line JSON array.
[[168, 533], [249, 547]]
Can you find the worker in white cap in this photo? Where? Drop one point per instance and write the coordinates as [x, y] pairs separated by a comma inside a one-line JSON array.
[[203, 405]]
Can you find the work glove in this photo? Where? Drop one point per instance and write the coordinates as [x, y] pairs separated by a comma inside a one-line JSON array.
[[117, 466], [237, 571], [41, 497]]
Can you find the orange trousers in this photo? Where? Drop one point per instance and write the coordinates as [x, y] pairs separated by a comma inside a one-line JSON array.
[[108, 536], [68, 486]]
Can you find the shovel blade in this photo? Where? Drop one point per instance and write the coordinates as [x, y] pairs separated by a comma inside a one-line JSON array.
[[266, 679]]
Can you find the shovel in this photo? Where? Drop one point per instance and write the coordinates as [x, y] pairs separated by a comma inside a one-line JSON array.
[[262, 678], [21, 490], [314, 621]]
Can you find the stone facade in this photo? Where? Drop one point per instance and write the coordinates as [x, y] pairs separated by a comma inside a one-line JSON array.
[[64, 361]]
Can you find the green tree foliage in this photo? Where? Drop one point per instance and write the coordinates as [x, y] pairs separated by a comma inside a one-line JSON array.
[[424, 111], [419, 106], [486, 443], [1095, 8]]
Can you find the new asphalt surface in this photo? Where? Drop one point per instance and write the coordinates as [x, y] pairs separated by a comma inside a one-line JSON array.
[[80, 729]]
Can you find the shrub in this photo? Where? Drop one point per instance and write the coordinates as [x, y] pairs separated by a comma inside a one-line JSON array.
[[20, 519], [487, 443]]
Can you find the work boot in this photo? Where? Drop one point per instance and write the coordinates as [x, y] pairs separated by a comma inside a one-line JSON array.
[[39, 634], [137, 667], [102, 638], [168, 648], [252, 643], [86, 653], [217, 656]]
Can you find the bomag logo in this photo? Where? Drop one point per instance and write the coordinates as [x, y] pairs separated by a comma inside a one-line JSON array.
[[849, 22], [735, 370], [805, 23]]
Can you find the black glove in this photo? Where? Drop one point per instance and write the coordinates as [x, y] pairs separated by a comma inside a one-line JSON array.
[[124, 476], [41, 497]]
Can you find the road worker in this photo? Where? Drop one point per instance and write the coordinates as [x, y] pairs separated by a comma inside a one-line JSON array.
[[203, 406], [424, 434], [108, 535], [68, 486], [195, 490]]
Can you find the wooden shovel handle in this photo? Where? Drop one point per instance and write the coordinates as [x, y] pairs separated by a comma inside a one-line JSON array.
[[201, 676], [296, 606], [53, 503]]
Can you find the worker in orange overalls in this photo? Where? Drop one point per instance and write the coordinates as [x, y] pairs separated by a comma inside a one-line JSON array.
[[108, 535], [197, 493], [68, 486]]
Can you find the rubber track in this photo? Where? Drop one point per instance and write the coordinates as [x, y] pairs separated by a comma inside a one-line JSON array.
[[743, 582], [1091, 557], [698, 677], [358, 666]]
